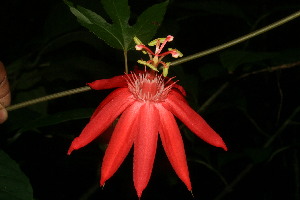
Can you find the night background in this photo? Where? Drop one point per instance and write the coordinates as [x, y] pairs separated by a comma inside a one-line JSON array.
[[248, 93]]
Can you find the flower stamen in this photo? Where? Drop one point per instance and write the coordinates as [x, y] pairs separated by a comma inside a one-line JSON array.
[[155, 58], [146, 87]]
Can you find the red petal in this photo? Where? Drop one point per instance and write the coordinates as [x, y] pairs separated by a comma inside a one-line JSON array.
[[173, 145], [116, 81], [103, 119], [180, 88], [110, 97], [145, 145], [192, 120], [120, 142], [176, 86]]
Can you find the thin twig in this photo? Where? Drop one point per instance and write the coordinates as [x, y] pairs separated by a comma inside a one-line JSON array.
[[271, 69], [177, 62], [249, 167], [226, 84], [281, 128], [47, 98], [238, 40], [238, 178]]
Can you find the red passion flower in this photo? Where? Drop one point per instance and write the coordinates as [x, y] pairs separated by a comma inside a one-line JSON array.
[[146, 103]]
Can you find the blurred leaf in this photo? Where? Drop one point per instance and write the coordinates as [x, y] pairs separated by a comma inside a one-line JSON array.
[[14, 185], [120, 34], [215, 7], [31, 94], [59, 21], [258, 155], [233, 59], [58, 118], [211, 70], [17, 120], [28, 80], [289, 55], [77, 68]]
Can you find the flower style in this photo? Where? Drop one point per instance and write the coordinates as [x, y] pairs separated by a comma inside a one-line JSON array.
[[146, 103]]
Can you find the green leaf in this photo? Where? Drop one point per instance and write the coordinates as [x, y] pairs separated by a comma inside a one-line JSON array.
[[14, 185], [120, 34], [148, 23], [211, 70]]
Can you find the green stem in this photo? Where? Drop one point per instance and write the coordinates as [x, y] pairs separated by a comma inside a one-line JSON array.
[[238, 40], [126, 60], [47, 98], [177, 62]]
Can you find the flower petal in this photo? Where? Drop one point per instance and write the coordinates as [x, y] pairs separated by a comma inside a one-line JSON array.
[[180, 88], [175, 104], [175, 85], [120, 142], [145, 145], [110, 97], [114, 82], [101, 121], [173, 145]]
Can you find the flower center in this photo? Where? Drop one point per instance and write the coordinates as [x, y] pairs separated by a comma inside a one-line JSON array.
[[148, 87]]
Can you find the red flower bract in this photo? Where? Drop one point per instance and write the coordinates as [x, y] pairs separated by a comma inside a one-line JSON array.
[[147, 103]]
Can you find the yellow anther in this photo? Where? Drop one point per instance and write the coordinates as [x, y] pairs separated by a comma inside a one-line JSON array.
[[154, 42]]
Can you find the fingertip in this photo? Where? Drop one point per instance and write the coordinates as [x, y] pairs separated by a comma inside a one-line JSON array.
[[3, 114]]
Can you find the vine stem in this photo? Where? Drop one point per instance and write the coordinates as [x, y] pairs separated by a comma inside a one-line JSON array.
[[177, 62], [47, 98], [238, 40]]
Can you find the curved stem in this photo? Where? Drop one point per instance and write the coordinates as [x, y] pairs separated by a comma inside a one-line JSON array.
[[238, 40], [47, 98], [182, 60]]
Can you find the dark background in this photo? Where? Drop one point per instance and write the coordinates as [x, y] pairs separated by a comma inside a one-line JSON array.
[[45, 50]]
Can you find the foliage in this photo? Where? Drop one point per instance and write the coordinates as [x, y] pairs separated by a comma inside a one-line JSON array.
[[119, 34], [248, 93], [13, 183]]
